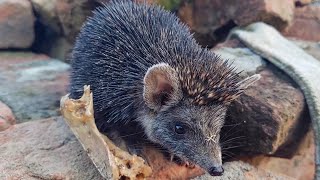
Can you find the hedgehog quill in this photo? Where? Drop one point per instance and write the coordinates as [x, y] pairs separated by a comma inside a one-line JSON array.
[[149, 75]]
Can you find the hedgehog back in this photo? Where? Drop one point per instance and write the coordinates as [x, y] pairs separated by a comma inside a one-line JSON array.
[[116, 47]]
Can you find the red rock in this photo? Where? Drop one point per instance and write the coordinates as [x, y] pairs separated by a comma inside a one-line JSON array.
[[16, 24], [7, 118], [305, 24], [211, 20], [277, 13]]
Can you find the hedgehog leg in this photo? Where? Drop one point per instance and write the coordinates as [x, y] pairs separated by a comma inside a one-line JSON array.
[[173, 158], [181, 162]]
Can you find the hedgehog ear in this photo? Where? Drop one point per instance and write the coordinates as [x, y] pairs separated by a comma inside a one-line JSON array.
[[244, 84], [161, 86]]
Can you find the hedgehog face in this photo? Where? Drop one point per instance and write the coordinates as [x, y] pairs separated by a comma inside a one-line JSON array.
[[191, 133], [185, 123]]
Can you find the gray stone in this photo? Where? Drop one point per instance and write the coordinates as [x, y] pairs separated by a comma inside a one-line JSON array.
[[239, 170], [246, 62], [32, 85], [43, 70], [311, 47]]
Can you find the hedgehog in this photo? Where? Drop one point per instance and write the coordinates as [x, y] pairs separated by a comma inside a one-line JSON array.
[[149, 76]]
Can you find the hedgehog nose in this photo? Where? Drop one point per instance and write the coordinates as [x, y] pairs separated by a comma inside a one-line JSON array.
[[216, 171]]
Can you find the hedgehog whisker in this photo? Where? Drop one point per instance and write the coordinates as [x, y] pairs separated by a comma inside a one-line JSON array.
[[232, 139], [225, 154], [227, 134], [227, 125], [232, 147], [132, 134]]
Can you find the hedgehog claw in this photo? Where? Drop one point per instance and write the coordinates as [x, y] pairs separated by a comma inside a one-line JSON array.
[[190, 165], [182, 162], [171, 157]]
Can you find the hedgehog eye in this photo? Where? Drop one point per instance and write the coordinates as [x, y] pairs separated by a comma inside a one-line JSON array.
[[179, 128]]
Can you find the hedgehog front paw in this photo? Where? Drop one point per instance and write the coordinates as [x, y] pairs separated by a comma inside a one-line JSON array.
[[190, 165], [181, 162]]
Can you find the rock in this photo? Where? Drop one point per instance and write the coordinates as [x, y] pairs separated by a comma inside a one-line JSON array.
[[276, 13], [312, 48], [301, 166], [61, 48], [273, 109], [239, 170], [271, 117], [288, 57], [16, 24], [64, 17], [44, 149], [308, 18], [304, 2], [59, 22], [212, 20], [39, 83], [7, 118], [247, 62], [47, 14]]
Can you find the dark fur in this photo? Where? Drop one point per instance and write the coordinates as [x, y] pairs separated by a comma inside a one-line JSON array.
[[113, 52]]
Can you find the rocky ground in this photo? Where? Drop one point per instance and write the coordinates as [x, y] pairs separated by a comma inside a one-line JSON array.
[[271, 118]]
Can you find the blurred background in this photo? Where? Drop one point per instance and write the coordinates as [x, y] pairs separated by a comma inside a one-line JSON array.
[[50, 26]]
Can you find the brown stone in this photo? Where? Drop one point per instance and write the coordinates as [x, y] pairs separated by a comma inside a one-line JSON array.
[[47, 149], [47, 13], [305, 24], [60, 22], [269, 118], [301, 166], [7, 118], [276, 13], [16, 24], [211, 20], [63, 16], [44, 149]]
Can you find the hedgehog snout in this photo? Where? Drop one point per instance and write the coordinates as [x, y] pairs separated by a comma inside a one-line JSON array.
[[216, 171]]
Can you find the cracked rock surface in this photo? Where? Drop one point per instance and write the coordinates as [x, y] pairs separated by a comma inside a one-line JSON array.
[[44, 149]]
